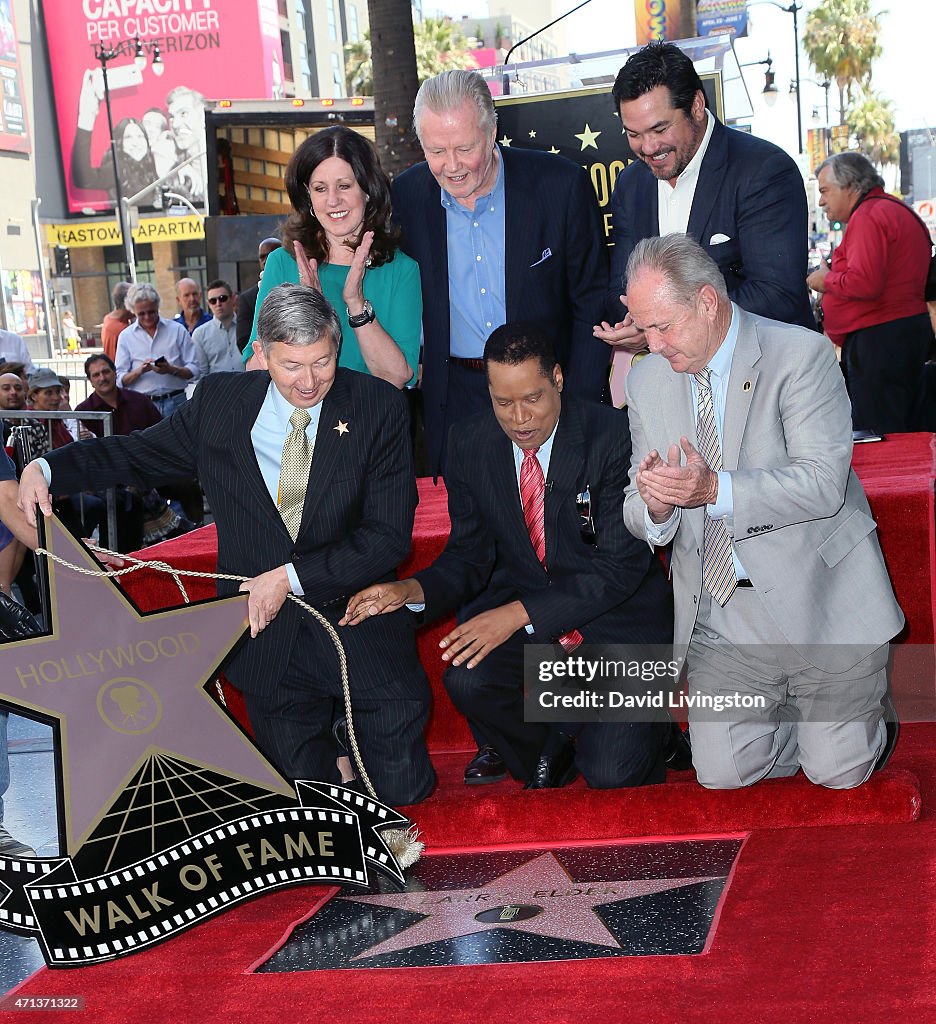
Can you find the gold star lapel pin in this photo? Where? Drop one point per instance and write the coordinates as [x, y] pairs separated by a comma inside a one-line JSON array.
[[342, 428]]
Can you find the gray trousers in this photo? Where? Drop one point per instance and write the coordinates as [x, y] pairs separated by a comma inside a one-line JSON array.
[[829, 724]]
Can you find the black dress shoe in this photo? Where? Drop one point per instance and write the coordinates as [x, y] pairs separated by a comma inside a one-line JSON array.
[[677, 749], [892, 725], [485, 767], [555, 769]]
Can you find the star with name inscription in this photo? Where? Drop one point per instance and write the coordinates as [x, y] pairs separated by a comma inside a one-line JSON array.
[[125, 686], [539, 897]]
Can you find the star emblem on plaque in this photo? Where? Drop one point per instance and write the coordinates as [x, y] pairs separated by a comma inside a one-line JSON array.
[[170, 813]]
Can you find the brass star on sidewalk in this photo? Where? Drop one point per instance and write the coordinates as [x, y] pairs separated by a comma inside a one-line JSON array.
[[125, 686], [588, 137], [342, 428]]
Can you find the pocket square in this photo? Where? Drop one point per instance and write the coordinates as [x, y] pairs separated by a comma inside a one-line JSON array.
[[718, 239], [546, 254]]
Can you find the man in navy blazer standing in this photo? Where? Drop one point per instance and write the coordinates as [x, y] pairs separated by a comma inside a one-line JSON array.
[[500, 235], [740, 197]]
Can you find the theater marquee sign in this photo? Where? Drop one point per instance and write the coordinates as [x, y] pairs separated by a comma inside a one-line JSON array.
[[169, 813]]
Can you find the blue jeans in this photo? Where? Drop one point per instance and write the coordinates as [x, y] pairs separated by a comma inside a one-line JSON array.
[[168, 404]]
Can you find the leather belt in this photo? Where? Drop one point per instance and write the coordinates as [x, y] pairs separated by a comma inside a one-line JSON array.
[[468, 364], [745, 583], [156, 395]]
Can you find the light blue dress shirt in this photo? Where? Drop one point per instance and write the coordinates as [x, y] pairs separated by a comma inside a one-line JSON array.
[[723, 507], [268, 435], [475, 240]]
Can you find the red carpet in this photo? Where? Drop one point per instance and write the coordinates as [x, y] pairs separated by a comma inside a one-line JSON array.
[[829, 917], [829, 924]]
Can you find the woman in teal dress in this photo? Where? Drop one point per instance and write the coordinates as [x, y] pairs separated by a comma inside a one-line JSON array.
[[340, 239]]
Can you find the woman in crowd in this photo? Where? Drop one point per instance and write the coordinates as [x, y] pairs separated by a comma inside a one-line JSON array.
[[340, 240]]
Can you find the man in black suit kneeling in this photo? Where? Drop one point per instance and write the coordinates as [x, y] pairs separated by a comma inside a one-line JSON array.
[[522, 568], [308, 469]]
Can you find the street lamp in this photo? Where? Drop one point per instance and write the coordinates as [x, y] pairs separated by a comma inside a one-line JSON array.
[[825, 85], [770, 87], [506, 77], [794, 9], [104, 55]]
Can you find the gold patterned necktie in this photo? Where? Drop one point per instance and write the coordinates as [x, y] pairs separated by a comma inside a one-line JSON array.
[[294, 471], [718, 573]]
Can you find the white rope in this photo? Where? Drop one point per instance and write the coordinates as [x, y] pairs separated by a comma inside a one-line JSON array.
[[176, 574]]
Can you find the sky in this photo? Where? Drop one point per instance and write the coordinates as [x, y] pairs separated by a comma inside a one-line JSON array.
[[908, 28]]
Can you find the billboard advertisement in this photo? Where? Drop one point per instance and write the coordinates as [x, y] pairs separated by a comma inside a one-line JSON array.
[[169, 58], [14, 132], [714, 16], [664, 19]]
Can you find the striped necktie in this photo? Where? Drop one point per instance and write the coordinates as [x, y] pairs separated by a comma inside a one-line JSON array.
[[294, 471], [718, 573], [533, 500]]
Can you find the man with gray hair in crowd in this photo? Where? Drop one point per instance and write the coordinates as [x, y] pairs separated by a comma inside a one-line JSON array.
[[500, 234], [742, 450], [319, 528], [873, 294], [155, 356]]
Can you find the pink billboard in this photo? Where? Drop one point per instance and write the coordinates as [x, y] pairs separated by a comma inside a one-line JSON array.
[[190, 52]]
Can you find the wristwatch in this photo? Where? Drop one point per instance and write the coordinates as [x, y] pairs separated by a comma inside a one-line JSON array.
[[366, 316]]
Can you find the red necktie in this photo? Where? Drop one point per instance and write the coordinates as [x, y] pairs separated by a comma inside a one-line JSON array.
[[533, 497]]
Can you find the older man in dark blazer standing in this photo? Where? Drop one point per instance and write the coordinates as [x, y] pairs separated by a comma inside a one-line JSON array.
[[500, 235], [310, 478], [525, 571]]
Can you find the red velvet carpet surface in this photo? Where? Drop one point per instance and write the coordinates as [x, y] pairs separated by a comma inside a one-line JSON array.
[[830, 915], [830, 923]]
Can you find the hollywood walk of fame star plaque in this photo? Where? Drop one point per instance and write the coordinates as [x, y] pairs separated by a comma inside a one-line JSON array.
[[575, 902], [169, 812]]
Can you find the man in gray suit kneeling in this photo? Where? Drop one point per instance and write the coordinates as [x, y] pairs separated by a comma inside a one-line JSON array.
[[742, 446]]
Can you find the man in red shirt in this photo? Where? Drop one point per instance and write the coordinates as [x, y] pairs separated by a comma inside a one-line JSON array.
[[872, 295]]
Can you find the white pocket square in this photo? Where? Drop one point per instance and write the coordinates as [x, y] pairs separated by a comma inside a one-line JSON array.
[[546, 254], [718, 239]]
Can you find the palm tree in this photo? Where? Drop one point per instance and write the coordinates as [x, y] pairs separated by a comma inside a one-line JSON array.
[[841, 42], [439, 45], [394, 74], [871, 121]]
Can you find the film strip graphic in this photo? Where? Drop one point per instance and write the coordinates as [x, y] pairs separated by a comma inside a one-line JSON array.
[[89, 920]]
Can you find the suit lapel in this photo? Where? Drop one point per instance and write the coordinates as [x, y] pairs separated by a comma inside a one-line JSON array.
[[679, 420], [566, 474], [245, 411], [330, 446], [647, 212], [504, 482], [438, 265], [711, 176], [741, 385]]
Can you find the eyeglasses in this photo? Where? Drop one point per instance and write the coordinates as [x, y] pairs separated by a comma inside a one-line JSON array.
[[146, 312], [213, 300]]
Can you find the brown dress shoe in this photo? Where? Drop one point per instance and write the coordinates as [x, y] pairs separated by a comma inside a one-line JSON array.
[[485, 767]]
